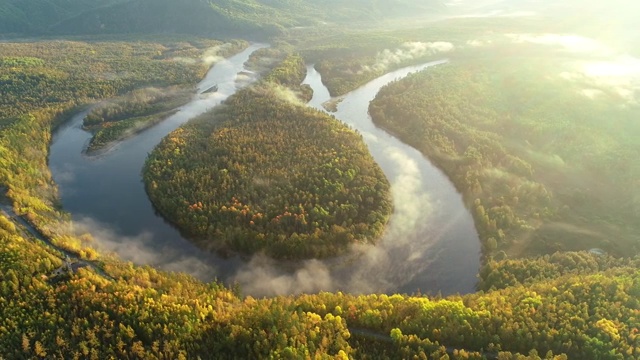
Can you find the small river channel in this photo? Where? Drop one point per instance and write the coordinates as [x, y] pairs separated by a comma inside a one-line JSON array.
[[430, 245]]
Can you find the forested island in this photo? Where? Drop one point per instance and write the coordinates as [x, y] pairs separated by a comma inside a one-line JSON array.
[[132, 113], [264, 173], [541, 142]]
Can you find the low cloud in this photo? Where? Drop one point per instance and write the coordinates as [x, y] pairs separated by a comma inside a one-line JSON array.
[[411, 203], [496, 14], [406, 248], [263, 276], [245, 78], [592, 93], [407, 52], [281, 92], [607, 69], [185, 60], [65, 174], [571, 43], [143, 250], [479, 43], [212, 55], [619, 75], [209, 57]]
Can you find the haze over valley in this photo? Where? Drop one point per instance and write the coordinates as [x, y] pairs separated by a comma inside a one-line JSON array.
[[331, 179]]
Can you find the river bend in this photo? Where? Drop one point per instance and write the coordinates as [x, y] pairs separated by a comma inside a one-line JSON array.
[[430, 244]]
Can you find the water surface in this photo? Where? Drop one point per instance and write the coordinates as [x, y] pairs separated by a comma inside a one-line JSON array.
[[430, 244]]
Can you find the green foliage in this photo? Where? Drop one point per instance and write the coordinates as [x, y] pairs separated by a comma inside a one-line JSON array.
[[257, 19], [24, 61], [262, 173], [565, 305], [527, 271], [143, 314], [541, 166], [290, 72], [132, 113], [79, 71], [45, 82], [29, 16], [571, 314], [288, 76], [589, 311]]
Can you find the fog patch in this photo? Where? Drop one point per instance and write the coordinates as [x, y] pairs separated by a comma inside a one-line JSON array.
[[366, 268], [571, 43], [622, 67], [621, 75], [479, 43], [263, 276], [201, 104], [244, 78], [502, 175], [143, 95], [406, 52], [185, 60], [410, 202], [262, 64], [209, 57], [553, 160], [591, 93], [141, 249], [213, 54], [65, 174], [287, 95]]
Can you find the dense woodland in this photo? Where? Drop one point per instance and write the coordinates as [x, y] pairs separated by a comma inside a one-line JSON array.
[[44, 82], [565, 305], [232, 18], [263, 173], [131, 113], [348, 58], [588, 311], [542, 166]]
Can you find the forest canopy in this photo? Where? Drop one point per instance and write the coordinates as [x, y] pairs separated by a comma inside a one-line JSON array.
[[263, 173], [545, 162]]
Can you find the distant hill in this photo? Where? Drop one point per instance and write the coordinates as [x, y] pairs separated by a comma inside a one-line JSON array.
[[37, 16], [202, 17]]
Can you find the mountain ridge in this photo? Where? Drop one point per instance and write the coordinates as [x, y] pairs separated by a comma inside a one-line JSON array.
[[253, 18]]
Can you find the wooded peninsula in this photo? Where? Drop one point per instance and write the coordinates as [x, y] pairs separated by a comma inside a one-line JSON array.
[[266, 173], [534, 119]]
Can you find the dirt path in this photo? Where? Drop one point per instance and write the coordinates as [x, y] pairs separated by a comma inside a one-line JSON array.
[[28, 231]]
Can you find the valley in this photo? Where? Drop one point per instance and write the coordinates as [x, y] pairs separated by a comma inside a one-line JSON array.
[[375, 180]]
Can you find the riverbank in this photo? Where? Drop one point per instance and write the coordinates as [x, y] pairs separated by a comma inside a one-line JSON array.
[[493, 126], [416, 253]]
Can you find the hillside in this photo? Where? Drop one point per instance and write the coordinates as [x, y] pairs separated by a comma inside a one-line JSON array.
[[202, 17], [589, 312], [541, 149], [37, 16], [267, 173]]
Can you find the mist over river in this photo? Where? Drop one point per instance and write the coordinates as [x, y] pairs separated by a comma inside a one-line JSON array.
[[430, 243]]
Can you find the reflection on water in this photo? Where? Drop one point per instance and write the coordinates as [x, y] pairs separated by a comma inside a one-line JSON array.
[[430, 244]]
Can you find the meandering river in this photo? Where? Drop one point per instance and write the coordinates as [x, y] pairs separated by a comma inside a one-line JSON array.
[[430, 245]]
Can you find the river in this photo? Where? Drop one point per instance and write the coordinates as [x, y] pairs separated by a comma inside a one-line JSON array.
[[430, 245]]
